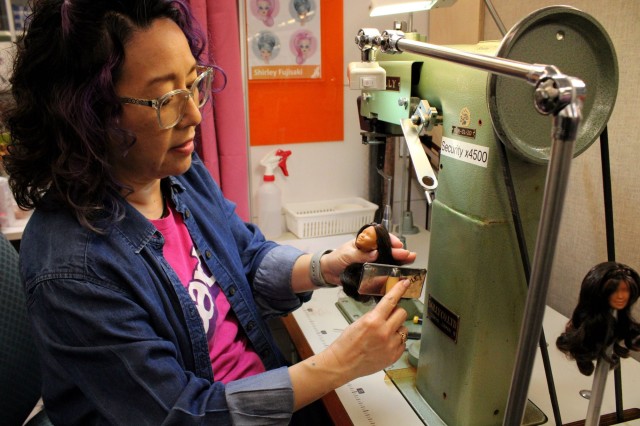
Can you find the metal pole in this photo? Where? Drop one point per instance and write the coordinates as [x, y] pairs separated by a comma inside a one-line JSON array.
[[496, 18], [531, 73], [565, 127], [611, 249], [597, 389], [526, 266]]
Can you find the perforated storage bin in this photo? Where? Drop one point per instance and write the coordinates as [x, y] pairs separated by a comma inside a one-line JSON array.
[[329, 217]]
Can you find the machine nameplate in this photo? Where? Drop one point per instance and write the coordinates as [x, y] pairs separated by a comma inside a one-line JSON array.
[[465, 151], [463, 131], [393, 83], [443, 318]]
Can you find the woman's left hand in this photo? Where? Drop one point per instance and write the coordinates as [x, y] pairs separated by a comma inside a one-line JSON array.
[[332, 264]]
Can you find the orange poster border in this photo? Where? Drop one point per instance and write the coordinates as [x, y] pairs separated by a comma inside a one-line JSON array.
[[303, 110]]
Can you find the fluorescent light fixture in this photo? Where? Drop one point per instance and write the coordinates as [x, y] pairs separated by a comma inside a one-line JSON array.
[[391, 7]]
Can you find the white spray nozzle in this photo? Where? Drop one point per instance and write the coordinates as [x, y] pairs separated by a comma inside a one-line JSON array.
[[275, 159]]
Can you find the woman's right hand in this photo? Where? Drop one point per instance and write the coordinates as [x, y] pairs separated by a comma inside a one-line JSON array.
[[376, 340], [373, 342]]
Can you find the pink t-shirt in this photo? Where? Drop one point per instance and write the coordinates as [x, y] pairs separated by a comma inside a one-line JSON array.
[[231, 354]]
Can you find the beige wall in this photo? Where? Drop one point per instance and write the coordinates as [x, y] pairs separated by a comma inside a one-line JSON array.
[[582, 242]]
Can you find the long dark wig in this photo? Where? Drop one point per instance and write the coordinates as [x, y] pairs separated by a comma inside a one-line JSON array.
[[593, 327], [65, 111]]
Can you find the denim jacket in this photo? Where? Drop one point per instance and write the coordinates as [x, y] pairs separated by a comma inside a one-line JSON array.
[[121, 341]]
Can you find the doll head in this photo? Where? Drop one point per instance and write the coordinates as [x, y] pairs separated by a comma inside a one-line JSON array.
[[366, 239], [607, 288], [264, 10], [302, 8], [370, 237], [266, 44], [609, 285], [619, 299], [303, 45]]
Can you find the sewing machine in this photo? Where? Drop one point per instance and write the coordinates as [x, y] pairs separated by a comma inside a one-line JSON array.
[[496, 196]]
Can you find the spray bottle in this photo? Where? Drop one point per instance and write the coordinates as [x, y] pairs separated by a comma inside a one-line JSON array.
[[269, 195]]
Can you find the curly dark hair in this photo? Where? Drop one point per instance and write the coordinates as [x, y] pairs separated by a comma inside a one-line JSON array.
[[593, 327], [66, 111]]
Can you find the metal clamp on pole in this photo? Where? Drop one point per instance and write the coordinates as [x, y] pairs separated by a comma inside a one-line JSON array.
[[368, 40]]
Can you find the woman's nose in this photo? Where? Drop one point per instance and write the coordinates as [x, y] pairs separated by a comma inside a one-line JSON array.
[[192, 114]]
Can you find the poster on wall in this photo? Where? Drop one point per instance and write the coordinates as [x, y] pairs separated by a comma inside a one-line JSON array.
[[298, 109], [283, 39]]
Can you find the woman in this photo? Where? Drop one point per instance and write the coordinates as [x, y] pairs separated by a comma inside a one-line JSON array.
[[148, 295]]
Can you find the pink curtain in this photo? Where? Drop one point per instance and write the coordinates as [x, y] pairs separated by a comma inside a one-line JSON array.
[[223, 130]]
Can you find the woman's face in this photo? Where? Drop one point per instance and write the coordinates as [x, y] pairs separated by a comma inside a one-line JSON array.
[[157, 60], [619, 299]]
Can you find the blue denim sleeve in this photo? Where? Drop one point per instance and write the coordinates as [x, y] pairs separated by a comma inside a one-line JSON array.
[[265, 399], [272, 284]]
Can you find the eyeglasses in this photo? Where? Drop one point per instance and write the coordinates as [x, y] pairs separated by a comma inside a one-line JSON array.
[[170, 106]]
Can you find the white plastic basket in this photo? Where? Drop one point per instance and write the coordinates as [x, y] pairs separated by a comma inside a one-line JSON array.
[[329, 217]]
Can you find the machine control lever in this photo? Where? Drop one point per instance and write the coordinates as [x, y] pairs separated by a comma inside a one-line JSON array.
[[426, 176]]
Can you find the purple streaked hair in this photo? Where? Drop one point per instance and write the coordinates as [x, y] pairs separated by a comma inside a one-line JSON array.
[[65, 110]]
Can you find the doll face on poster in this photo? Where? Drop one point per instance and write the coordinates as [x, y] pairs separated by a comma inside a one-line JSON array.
[[263, 7], [304, 46], [619, 299], [265, 54]]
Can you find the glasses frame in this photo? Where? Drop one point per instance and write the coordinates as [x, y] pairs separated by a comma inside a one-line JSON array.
[[205, 72]]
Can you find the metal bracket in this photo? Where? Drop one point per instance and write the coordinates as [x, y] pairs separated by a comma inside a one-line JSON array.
[[424, 172]]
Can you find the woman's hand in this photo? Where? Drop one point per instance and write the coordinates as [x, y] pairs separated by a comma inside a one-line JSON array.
[[373, 342], [377, 339], [332, 264]]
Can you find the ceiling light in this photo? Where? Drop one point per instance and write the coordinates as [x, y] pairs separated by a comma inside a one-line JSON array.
[[391, 7]]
